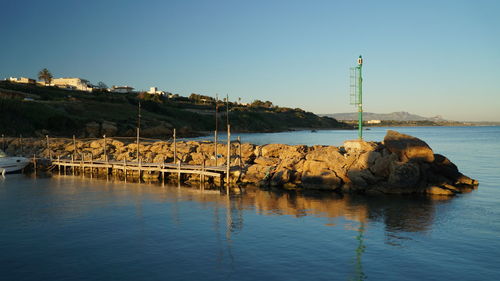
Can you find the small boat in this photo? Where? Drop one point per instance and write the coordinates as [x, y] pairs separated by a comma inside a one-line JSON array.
[[12, 164]]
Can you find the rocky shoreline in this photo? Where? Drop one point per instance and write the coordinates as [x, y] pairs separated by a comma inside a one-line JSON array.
[[401, 164]]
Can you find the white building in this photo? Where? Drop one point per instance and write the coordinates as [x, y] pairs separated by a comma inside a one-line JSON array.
[[374, 122], [72, 84], [21, 80], [154, 91], [121, 89]]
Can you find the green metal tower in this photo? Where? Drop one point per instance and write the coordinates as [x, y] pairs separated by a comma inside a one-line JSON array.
[[356, 93]]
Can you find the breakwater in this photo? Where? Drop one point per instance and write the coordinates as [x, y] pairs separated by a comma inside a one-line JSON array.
[[400, 164]]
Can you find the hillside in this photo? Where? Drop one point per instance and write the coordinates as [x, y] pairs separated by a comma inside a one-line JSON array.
[[394, 116], [34, 110]]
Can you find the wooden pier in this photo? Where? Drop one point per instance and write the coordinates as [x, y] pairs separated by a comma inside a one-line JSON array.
[[138, 168]]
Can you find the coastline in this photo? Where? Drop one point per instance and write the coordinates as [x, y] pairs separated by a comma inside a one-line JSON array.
[[401, 164]]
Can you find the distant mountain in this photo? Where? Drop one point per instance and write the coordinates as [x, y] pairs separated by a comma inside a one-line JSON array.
[[394, 116]]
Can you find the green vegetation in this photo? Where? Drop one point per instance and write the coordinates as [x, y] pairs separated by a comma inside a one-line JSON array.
[[37, 110], [45, 75]]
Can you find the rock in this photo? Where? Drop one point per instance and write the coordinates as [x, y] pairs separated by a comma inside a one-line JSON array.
[[382, 164], [266, 161], [316, 175], [437, 190], [256, 173], [96, 144], [359, 146], [407, 147], [361, 178], [404, 175], [281, 177], [328, 154], [283, 151]]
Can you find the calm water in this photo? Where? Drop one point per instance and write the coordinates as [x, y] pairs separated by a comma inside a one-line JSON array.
[[69, 228]]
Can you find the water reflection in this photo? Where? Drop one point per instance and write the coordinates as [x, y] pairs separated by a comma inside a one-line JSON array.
[[398, 214], [226, 214]]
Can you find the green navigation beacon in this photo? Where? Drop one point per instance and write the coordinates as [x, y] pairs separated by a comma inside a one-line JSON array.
[[356, 93]]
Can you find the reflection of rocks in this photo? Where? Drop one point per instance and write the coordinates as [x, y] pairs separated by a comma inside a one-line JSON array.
[[401, 164]]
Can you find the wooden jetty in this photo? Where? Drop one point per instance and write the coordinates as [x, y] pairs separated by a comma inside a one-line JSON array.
[[127, 167], [137, 169]]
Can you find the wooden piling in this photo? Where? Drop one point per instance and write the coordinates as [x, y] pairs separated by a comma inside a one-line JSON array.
[[228, 165], [105, 151], [48, 147], [140, 164], [239, 148], [215, 147], [175, 146], [34, 163], [91, 165], [74, 146], [82, 167], [179, 171], [125, 168], [21, 144]]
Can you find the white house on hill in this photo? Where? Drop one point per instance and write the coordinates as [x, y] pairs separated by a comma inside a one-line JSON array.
[[121, 89], [73, 84], [154, 91]]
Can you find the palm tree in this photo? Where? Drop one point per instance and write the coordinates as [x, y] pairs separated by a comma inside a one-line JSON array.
[[45, 75]]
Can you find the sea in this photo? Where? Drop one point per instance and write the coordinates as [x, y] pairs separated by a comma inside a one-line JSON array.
[[74, 228]]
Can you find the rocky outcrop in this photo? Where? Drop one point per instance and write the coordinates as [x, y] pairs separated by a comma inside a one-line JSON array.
[[401, 164]]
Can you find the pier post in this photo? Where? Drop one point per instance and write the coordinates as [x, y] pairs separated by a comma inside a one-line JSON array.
[[74, 146], [239, 148], [91, 165], [175, 147], [228, 156], [140, 166], [21, 144], [59, 164], [125, 168], [34, 163], [105, 151], [163, 171], [72, 164], [48, 147], [3, 142], [202, 174], [215, 148], [82, 165], [179, 171]]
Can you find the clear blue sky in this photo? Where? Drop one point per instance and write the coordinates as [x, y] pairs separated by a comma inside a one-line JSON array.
[[425, 57]]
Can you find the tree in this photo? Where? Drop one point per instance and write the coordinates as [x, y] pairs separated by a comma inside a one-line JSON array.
[[45, 75], [101, 85]]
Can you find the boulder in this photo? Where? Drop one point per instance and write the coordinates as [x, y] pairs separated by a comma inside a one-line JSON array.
[[328, 154], [404, 175], [256, 173], [382, 164], [361, 178], [283, 151], [266, 161], [359, 146], [437, 190], [316, 175], [407, 147], [281, 177]]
